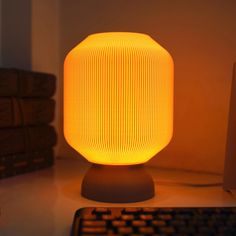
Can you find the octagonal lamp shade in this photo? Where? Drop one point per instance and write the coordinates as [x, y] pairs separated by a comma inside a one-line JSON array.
[[118, 98]]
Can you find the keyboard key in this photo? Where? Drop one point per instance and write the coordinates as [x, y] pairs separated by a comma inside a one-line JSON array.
[[167, 230], [165, 217], [158, 223], [226, 230], [206, 230], [187, 230], [136, 234], [125, 230], [93, 223], [209, 211], [166, 210], [178, 223], [182, 217], [108, 217], [198, 222], [89, 217], [94, 230], [146, 230], [101, 210], [130, 210], [146, 217], [95, 234], [217, 217], [212, 223], [138, 223], [118, 223], [202, 217], [149, 210], [230, 223], [233, 210], [127, 217], [231, 217]]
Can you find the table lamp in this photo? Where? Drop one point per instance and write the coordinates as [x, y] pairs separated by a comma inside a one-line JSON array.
[[118, 111]]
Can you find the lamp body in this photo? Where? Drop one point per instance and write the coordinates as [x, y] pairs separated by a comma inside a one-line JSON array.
[[118, 98]]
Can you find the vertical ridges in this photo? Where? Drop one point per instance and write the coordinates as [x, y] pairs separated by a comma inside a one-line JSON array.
[[118, 98]]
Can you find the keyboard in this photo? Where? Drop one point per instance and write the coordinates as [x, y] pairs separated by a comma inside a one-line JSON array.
[[115, 221]]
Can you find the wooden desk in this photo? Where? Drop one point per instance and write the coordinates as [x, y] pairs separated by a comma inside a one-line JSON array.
[[43, 203]]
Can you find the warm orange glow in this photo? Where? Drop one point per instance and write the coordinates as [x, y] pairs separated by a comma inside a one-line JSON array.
[[118, 98]]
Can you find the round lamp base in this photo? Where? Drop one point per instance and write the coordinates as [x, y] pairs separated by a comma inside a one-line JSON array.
[[117, 184]]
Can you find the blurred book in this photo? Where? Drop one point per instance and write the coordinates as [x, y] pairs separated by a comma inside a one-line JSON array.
[[11, 165], [28, 111], [21, 83], [26, 139]]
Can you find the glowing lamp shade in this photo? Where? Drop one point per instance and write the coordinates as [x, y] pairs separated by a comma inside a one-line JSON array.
[[118, 98]]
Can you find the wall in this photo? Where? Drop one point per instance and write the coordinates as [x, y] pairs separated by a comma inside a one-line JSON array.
[[201, 36], [16, 33], [45, 44]]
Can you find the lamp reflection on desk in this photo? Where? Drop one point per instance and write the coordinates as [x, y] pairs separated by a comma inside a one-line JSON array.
[[118, 111]]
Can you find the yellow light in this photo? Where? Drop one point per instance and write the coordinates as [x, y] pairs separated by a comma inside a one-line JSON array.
[[118, 98]]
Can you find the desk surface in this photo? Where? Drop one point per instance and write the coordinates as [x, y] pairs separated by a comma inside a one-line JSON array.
[[43, 202]]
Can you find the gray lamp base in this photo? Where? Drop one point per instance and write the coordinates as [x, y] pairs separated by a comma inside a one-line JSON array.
[[117, 184]]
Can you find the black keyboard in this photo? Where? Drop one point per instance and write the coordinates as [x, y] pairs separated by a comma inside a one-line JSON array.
[[133, 221]]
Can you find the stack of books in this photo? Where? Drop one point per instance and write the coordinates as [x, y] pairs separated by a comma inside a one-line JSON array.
[[26, 111]]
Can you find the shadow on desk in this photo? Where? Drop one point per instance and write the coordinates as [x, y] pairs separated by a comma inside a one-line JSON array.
[[27, 204]]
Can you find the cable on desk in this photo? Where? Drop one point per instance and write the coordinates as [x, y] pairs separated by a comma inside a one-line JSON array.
[[197, 185]]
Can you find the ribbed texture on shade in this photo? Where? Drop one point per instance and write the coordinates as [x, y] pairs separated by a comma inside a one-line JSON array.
[[118, 98]]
